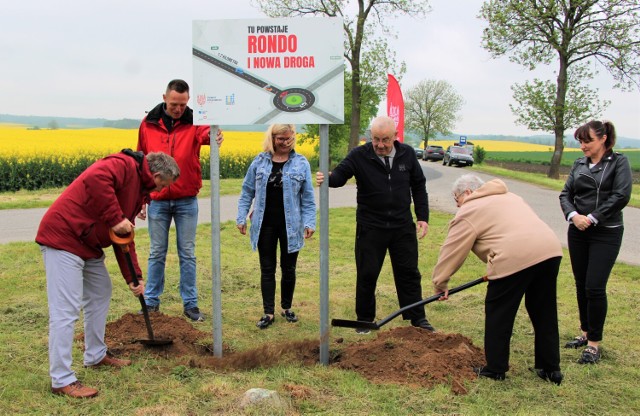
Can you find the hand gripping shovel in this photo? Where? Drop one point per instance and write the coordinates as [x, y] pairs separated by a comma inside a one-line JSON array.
[[376, 325], [123, 242]]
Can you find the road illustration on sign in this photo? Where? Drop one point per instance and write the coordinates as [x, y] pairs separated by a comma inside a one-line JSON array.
[[291, 100]]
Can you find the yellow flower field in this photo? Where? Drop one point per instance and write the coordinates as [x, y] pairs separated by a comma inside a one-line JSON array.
[[17, 141], [503, 146]]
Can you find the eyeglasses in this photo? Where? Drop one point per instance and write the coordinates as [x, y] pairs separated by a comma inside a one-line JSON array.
[[282, 139], [385, 141], [457, 196]]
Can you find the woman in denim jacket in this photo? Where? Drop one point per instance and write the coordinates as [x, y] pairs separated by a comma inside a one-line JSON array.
[[278, 183], [596, 191]]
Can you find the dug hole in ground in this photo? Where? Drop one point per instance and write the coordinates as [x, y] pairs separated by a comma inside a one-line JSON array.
[[404, 355]]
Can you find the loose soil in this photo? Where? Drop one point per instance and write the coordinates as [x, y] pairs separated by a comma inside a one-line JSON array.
[[404, 355]]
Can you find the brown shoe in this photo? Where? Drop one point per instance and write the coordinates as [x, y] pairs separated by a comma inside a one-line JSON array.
[[112, 361], [75, 390]]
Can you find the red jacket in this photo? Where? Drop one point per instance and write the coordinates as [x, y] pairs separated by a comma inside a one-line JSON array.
[[183, 143], [108, 191]]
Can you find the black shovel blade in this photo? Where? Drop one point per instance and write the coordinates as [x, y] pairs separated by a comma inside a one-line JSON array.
[[345, 323], [156, 342]]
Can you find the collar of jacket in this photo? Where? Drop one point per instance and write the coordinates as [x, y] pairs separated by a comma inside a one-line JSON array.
[[608, 156], [155, 115], [143, 168]]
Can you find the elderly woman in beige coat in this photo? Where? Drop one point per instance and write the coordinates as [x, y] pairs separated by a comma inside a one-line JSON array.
[[523, 257]]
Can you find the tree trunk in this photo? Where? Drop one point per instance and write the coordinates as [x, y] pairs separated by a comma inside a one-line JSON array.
[[559, 128], [354, 127]]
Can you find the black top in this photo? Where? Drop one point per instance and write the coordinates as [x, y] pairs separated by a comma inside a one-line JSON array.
[[274, 206]]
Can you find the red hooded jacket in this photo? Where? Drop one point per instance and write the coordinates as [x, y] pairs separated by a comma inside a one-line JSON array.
[[107, 192], [183, 143]]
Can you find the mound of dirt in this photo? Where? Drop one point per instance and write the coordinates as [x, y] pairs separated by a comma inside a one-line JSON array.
[[404, 355]]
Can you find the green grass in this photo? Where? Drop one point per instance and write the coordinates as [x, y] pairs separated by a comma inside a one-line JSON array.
[[44, 197], [544, 158], [155, 386], [543, 180]]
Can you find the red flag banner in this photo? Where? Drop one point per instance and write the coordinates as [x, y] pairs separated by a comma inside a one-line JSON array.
[[395, 105]]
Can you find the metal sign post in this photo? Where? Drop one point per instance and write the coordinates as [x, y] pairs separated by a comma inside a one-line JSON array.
[[216, 290], [324, 246]]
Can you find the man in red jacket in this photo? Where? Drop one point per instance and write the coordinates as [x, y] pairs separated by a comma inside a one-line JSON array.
[[72, 235], [169, 128]]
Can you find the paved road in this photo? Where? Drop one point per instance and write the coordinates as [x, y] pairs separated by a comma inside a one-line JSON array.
[[21, 225]]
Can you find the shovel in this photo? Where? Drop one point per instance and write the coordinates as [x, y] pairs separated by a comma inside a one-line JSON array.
[[376, 325], [123, 242]]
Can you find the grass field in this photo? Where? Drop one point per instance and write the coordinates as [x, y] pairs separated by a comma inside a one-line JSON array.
[[544, 158], [154, 386]]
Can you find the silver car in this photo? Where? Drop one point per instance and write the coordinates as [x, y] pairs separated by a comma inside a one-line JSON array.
[[458, 155]]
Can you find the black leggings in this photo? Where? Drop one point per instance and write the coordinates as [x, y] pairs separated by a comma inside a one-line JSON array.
[[267, 249], [593, 253]]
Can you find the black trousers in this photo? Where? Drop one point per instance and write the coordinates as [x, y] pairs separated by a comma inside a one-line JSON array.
[[267, 250], [538, 286], [593, 253], [370, 249]]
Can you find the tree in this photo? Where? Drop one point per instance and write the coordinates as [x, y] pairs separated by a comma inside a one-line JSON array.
[[431, 107], [53, 125], [532, 32], [536, 110], [368, 56], [339, 133]]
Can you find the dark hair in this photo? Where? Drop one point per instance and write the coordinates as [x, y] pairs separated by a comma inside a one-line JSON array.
[[599, 128], [178, 86]]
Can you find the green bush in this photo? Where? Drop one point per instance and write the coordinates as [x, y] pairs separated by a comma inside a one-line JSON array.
[[479, 154], [59, 171]]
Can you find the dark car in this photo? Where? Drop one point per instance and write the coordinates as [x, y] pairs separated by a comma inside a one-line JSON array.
[[458, 155], [433, 153], [419, 152]]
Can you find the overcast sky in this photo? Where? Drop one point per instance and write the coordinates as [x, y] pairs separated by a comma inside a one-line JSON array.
[[113, 58]]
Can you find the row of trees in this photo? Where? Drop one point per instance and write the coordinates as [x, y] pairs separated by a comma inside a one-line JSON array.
[[576, 35]]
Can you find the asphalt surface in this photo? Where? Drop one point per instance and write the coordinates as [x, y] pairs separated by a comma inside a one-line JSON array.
[[22, 225]]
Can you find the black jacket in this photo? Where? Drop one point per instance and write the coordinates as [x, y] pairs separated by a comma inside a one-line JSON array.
[[384, 199], [601, 191]]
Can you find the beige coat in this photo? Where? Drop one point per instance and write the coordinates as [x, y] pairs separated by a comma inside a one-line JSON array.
[[501, 229]]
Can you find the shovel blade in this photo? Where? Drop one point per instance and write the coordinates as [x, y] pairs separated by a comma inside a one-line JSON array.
[[156, 342], [345, 323]]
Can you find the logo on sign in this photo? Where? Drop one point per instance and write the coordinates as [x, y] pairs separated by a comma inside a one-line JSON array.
[[201, 99]]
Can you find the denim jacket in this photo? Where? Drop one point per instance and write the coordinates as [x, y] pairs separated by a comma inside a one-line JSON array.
[[299, 200]]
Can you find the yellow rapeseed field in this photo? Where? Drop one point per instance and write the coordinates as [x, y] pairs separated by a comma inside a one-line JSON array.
[[503, 146], [18, 141]]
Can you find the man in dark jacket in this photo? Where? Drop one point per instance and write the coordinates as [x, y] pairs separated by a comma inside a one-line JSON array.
[[72, 235], [388, 175], [169, 128]]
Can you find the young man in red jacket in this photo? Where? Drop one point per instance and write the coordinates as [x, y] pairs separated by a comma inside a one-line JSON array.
[[72, 235], [169, 128]]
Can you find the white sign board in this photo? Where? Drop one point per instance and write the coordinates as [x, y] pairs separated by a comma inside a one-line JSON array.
[[262, 71]]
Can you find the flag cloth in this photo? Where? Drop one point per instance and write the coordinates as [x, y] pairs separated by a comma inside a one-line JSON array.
[[395, 105]]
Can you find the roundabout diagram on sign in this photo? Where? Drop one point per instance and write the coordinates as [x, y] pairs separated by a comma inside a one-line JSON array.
[[284, 99]]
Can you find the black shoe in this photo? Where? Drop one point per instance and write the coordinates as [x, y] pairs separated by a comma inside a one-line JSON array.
[[194, 314], [289, 316], [265, 321], [483, 372], [577, 342], [363, 331], [552, 376], [150, 309], [590, 355], [423, 324]]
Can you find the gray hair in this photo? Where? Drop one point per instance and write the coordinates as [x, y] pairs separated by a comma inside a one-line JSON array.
[[467, 182], [163, 164]]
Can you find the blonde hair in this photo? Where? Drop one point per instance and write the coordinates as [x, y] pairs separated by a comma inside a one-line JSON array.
[[273, 131]]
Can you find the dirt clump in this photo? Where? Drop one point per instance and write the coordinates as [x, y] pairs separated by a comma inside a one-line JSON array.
[[404, 355]]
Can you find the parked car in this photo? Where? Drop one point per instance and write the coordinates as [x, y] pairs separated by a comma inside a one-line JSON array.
[[433, 153], [419, 152], [458, 155]]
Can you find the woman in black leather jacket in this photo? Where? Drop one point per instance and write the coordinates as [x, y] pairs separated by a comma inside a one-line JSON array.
[[596, 191]]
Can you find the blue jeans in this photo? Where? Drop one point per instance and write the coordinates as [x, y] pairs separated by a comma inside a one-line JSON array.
[[184, 213]]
